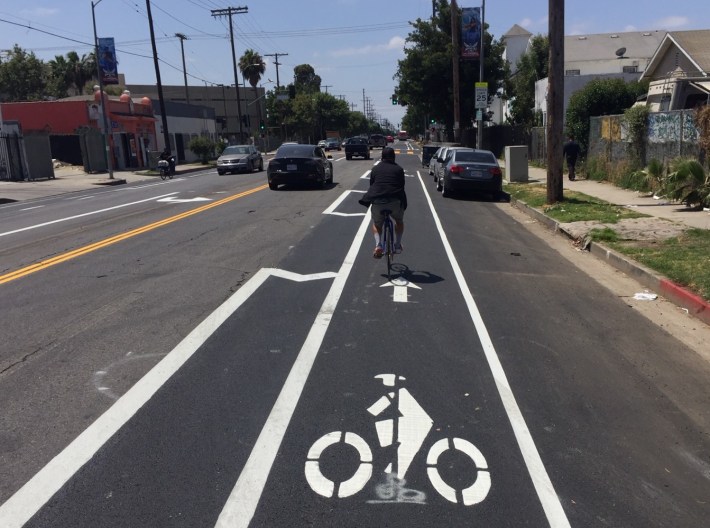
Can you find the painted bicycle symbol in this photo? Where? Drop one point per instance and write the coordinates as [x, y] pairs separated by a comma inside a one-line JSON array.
[[407, 430]]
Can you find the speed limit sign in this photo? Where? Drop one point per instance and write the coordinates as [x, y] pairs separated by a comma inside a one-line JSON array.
[[481, 94]]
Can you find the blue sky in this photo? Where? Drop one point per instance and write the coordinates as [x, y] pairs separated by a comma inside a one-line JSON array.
[[353, 45]]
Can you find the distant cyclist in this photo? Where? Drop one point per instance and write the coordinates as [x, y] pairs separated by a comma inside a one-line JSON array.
[[386, 192]]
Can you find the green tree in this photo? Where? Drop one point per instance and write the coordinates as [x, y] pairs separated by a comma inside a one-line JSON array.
[[357, 124], [22, 76], [70, 75], [203, 147], [599, 97], [520, 89], [252, 67], [305, 79], [425, 75]]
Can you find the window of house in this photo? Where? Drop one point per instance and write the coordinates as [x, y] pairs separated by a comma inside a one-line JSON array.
[[630, 69], [569, 73]]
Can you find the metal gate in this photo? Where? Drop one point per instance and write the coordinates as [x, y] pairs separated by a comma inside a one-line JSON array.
[[11, 166]]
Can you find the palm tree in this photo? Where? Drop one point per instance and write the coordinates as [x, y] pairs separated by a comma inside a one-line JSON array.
[[252, 66]]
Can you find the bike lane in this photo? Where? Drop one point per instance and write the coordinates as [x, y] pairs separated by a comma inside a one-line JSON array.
[[404, 421]]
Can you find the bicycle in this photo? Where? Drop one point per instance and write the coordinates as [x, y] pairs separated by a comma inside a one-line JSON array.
[[166, 168], [388, 240]]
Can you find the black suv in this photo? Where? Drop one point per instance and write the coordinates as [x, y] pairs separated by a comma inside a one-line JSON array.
[[377, 141]]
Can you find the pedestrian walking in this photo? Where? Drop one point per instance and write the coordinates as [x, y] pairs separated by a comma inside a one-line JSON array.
[[571, 151]]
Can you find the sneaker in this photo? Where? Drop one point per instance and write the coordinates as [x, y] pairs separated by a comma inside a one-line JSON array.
[[398, 248], [378, 252]]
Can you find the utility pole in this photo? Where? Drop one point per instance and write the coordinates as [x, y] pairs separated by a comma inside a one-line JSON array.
[[555, 100], [277, 64], [161, 101], [455, 60], [364, 105], [481, 73], [104, 100], [326, 86], [229, 11], [182, 38]]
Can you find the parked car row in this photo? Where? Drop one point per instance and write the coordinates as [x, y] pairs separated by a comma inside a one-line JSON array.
[[465, 169]]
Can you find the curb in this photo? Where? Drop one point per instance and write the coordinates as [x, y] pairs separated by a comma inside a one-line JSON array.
[[675, 293]]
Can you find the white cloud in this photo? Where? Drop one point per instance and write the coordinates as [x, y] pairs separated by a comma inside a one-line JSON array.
[[39, 12], [630, 28], [673, 22], [395, 43]]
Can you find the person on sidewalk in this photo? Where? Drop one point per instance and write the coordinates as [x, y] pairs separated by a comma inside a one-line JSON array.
[[386, 191], [571, 151]]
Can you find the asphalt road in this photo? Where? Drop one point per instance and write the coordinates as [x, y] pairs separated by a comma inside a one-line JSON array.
[[240, 359]]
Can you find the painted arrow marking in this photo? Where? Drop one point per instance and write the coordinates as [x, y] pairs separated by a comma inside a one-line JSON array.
[[172, 199], [400, 285]]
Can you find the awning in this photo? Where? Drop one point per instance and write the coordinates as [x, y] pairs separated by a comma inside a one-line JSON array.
[[703, 86]]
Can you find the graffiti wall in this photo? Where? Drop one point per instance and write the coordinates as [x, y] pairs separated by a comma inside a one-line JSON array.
[[669, 135]]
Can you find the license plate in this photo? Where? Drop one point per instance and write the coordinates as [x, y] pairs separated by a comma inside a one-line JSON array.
[[291, 167], [477, 174]]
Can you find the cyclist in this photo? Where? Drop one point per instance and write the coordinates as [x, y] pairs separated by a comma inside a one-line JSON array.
[[386, 192]]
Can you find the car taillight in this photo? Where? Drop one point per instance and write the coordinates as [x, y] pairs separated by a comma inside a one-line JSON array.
[[495, 171], [455, 169]]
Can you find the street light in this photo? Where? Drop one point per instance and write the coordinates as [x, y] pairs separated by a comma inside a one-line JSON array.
[[104, 102]]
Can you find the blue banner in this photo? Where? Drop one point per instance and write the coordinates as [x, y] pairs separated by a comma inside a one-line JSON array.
[[471, 32], [107, 61]]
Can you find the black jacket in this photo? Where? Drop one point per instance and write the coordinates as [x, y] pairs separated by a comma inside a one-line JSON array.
[[386, 181]]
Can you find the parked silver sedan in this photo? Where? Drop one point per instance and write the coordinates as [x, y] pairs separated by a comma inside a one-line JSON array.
[[471, 170]]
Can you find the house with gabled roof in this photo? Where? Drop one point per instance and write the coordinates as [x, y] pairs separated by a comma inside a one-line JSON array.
[[679, 71], [602, 56]]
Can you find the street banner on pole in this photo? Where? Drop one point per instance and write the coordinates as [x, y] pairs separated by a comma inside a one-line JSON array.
[[107, 61], [471, 31]]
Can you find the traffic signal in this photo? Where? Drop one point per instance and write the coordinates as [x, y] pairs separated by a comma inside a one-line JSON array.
[[394, 99], [262, 126]]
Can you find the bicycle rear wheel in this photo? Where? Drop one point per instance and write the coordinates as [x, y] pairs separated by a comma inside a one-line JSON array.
[[388, 245]]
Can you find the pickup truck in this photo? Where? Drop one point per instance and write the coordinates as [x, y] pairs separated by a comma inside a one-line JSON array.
[[357, 146]]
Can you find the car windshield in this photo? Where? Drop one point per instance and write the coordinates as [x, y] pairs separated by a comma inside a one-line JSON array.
[[356, 141], [295, 151], [474, 157], [236, 150]]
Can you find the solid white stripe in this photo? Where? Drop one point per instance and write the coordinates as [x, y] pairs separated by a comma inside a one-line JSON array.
[[553, 508], [242, 502]]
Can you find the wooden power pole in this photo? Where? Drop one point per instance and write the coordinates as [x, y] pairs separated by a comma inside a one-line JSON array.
[[555, 100]]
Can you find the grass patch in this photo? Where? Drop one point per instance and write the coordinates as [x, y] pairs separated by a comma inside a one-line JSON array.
[[605, 235], [576, 206], [685, 259]]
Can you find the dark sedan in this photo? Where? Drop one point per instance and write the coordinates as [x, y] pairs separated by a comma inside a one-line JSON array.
[[294, 163], [470, 170]]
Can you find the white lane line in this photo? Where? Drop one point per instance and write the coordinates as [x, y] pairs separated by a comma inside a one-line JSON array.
[[331, 209], [28, 500], [30, 208], [543, 485], [242, 502], [82, 215]]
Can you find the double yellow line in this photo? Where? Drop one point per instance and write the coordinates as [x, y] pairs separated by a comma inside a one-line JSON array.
[[23, 272]]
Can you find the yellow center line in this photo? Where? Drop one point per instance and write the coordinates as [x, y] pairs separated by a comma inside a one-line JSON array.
[[27, 270]]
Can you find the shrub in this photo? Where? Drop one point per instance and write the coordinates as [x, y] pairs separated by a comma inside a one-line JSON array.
[[687, 183], [203, 147]]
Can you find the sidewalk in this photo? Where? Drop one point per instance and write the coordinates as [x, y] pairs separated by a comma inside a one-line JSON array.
[[666, 220], [72, 178]]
